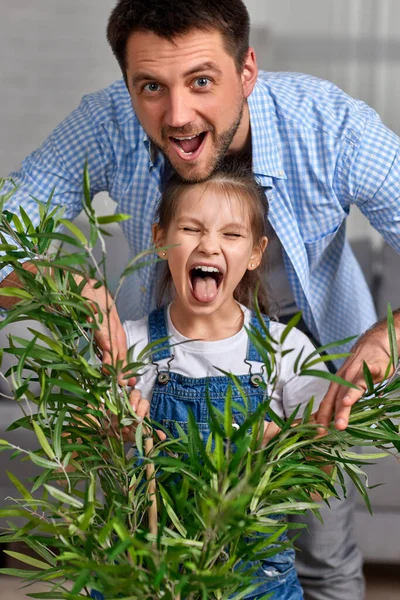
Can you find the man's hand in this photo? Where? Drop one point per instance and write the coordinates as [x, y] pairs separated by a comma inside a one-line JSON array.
[[373, 349], [270, 431], [110, 337]]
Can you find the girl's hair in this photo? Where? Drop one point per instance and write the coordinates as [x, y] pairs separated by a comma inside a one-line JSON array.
[[234, 180]]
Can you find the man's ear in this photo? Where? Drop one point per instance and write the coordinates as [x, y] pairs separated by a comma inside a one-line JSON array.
[[249, 73], [158, 239], [257, 254]]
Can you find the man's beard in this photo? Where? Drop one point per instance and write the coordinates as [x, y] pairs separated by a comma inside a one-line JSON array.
[[221, 145]]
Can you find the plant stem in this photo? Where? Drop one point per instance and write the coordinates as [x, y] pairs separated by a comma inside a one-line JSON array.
[[150, 475]]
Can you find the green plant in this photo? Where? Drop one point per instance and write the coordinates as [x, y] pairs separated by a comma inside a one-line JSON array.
[[87, 514]]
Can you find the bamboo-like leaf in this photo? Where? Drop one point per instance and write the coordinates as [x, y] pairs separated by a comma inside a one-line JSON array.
[[171, 513], [57, 435], [28, 560], [260, 488], [116, 218], [43, 441], [329, 376], [13, 512], [139, 439], [16, 292], [81, 581], [63, 496], [22, 573], [141, 265], [293, 322], [20, 486], [228, 413], [323, 358], [394, 353], [42, 462], [368, 378], [26, 220], [87, 196], [74, 230]]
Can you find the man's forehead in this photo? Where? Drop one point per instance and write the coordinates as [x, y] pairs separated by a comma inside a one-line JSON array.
[[147, 48]]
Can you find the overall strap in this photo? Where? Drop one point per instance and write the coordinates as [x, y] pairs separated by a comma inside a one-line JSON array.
[[157, 329], [252, 352]]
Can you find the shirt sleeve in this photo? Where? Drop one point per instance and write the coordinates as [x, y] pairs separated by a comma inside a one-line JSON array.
[[369, 172], [58, 166], [293, 389]]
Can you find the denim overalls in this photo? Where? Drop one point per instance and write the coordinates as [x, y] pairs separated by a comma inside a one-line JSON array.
[[173, 394]]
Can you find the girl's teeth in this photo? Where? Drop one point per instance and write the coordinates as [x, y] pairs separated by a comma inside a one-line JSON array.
[[208, 269]]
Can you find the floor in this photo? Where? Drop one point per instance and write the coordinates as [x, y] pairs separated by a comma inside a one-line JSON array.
[[383, 583]]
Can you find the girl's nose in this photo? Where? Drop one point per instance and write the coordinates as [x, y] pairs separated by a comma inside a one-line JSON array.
[[209, 244]]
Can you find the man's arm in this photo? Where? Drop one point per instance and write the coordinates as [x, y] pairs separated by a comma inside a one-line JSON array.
[[373, 348], [56, 170], [110, 335]]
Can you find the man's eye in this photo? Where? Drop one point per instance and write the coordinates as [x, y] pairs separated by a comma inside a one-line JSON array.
[[201, 82], [152, 87]]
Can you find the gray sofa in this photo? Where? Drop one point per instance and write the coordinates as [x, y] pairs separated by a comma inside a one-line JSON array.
[[378, 535]]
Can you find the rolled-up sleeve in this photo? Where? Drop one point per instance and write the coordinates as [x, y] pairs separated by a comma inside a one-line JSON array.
[[57, 167], [369, 173]]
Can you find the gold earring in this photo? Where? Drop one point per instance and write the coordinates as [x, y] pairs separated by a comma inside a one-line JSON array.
[[252, 264], [164, 254]]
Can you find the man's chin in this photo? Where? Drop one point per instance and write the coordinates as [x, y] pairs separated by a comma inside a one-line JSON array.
[[192, 172]]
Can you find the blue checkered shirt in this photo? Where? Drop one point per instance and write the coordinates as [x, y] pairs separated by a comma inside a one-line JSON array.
[[316, 151]]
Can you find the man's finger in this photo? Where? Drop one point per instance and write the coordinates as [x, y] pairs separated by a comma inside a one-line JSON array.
[[270, 431], [326, 408], [345, 402]]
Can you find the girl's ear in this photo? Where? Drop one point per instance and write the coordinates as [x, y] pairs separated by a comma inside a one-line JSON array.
[[257, 254], [158, 239]]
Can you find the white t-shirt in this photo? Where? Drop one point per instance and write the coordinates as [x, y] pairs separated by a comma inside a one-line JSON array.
[[204, 359]]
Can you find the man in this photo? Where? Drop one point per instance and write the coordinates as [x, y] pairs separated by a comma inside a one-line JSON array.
[[196, 94]]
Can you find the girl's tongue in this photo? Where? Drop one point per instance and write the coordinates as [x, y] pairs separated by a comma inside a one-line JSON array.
[[205, 289]]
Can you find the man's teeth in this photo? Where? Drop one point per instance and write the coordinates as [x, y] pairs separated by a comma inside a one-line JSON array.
[[182, 150], [207, 269], [187, 138]]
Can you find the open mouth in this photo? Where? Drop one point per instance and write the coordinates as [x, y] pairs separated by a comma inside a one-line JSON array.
[[205, 282], [190, 146]]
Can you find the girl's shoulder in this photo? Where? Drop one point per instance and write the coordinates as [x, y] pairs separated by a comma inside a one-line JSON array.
[[137, 333]]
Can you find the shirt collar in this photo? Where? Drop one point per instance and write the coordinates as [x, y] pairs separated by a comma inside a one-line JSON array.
[[150, 148], [265, 142]]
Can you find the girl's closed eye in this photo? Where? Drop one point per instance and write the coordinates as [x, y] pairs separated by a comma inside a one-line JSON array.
[[232, 234], [190, 229]]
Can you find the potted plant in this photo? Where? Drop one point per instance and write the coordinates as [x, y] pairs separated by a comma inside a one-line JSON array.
[[176, 519]]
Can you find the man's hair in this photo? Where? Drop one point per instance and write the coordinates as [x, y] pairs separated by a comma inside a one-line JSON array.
[[171, 18], [234, 180]]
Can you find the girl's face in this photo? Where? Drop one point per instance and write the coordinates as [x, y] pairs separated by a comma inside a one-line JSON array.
[[213, 248]]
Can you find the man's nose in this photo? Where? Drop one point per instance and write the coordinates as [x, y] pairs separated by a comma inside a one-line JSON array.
[[179, 111]]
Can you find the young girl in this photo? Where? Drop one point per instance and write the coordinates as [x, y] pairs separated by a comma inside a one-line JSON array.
[[214, 232]]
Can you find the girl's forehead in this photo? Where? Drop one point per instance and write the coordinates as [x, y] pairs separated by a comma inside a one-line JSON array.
[[205, 194]]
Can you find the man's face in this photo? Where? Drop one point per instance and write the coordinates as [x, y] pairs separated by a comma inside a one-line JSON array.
[[189, 98]]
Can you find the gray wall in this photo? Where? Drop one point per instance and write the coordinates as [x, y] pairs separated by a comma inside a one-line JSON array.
[[51, 53]]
